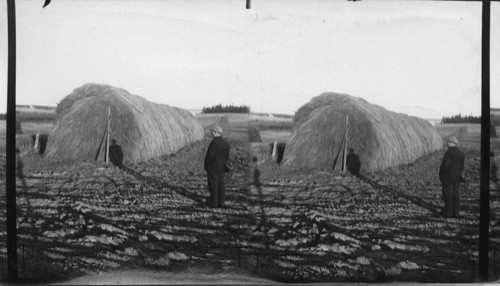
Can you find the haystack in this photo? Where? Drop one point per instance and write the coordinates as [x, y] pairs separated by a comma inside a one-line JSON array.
[[380, 137], [143, 129]]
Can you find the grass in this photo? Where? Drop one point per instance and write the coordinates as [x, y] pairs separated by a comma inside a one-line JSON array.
[[29, 129], [233, 117], [254, 135], [468, 134], [36, 116], [271, 136], [400, 205], [392, 209], [277, 129], [263, 125], [271, 129]]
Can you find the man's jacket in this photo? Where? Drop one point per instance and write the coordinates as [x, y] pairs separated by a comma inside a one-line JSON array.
[[452, 166], [217, 155]]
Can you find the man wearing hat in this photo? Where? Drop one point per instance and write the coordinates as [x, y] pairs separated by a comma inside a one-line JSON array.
[[216, 165], [450, 175]]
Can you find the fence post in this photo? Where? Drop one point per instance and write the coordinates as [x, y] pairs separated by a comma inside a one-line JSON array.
[[107, 139]]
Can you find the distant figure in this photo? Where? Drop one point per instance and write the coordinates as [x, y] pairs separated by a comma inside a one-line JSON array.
[[115, 153], [216, 166], [20, 167], [493, 130], [494, 171], [256, 173], [450, 175], [352, 162]]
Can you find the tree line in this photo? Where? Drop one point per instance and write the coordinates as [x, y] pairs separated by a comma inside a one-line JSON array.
[[495, 120], [226, 109], [461, 119]]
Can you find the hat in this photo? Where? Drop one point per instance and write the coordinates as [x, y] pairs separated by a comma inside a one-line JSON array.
[[216, 129], [452, 139]]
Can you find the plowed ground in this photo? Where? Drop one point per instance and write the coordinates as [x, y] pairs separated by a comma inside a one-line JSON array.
[[301, 226]]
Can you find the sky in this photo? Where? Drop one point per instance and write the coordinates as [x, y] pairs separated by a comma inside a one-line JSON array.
[[422, 58]]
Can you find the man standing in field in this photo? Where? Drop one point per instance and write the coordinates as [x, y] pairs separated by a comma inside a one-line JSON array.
[[216, 165], [256, 174], [115, 153], [494, 171], [20, 167], [352, 162], [450, 175]]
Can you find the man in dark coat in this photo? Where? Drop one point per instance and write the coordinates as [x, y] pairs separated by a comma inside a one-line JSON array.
[[115, 153], [494, 171], [216, 165], [450, 175], [352, 162], [20, 167], [256, 174]]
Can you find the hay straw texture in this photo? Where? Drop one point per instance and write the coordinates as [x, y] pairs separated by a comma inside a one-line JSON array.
[[380, 137], [143, 129]]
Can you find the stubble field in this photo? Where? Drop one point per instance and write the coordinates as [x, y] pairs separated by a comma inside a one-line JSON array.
[[78, 219]]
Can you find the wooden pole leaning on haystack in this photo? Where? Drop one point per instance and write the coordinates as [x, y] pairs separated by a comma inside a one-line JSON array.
[[107, 131], [345, 141], [106, 145], [37, 141], [100, 146], [274, 152], [338, 153]]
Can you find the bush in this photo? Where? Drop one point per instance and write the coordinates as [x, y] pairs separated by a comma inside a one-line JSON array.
[[42, 141], [254, 135], [19, 129], [226, 109], [24, 142]]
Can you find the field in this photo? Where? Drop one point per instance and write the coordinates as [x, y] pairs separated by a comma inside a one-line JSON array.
[[29, 129], [85, 218]]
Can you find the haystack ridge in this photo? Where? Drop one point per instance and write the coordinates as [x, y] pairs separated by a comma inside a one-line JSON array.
[[143, 129], [380, 137]]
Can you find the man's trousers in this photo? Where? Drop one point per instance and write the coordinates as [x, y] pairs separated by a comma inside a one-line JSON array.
[[451, 200], [216, 188]]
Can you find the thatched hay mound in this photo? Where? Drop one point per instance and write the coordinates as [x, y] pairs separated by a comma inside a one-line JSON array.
[[143, 129], [380, 137]]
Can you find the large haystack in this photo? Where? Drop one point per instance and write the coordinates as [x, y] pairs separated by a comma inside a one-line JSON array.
[[143, 129], [380, 137]]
